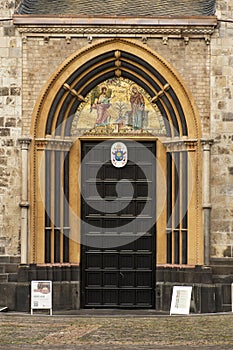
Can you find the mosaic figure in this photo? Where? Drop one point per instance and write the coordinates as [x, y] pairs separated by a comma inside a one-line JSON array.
[[137, 108], [102, 104]]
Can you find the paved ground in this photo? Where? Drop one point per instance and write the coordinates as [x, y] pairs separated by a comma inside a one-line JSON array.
[[114, 330]]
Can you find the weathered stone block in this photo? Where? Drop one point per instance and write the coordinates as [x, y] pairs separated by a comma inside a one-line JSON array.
[[4, 91], [7, 295], [23, 297], [4, 132], [15, 91], [23, 273], [9, 31], [10, 122], [227, 117]]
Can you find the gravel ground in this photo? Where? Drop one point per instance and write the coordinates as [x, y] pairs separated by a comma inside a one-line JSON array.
[[110, 332]]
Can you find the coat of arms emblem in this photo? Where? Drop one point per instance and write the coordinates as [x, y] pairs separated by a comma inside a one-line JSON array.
[[119, 155]]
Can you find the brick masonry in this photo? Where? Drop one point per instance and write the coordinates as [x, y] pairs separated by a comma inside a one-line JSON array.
[[206, 69], [40, 60], [188, 59]]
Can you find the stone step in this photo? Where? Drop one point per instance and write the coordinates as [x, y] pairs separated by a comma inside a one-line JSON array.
[[223, 273], [8, 267], [15, 259], [8, 277], [226, 307], [221, 261], [3, 277], [223, 279], [4, 258], [12, 277], [222, 269]]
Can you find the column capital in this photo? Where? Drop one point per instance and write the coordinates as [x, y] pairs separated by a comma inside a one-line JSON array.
[[24, 204], [179, 145], [25, 142], [206, 144]]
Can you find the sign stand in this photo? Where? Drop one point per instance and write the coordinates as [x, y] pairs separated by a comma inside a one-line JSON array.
[[181, 298], [41, 295]]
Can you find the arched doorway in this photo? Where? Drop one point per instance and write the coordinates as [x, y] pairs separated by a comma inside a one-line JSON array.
[[64, 122]]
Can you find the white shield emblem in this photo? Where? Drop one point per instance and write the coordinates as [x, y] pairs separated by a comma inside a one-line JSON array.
[[119, 154]]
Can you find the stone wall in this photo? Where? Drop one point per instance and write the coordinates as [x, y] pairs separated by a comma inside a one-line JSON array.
[[41, 55], [222, 133], [201, 66], [10, 130]]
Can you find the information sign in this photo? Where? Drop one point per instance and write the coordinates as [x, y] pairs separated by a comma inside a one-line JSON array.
[[41, 295], [181, 298]]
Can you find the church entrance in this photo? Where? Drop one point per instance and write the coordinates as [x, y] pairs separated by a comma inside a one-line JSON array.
[[118, 232], [115, 224]]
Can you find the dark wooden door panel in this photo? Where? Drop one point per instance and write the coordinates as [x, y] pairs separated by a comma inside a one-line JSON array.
[[118, 234]]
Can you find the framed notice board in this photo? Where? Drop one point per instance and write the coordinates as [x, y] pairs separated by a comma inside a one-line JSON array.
[[41, 295], [181, 298]]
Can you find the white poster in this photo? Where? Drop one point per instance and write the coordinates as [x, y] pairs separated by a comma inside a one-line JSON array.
[[181, 298], [41, 295]]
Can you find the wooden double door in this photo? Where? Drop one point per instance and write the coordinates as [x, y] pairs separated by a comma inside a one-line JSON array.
[[118, 230]]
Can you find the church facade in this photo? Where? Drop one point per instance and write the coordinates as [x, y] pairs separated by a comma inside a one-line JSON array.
[[116, 153]]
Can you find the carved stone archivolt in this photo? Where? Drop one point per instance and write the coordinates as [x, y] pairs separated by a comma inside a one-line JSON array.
[[160, 93], [59, 79], [120, 50], [73, 92]]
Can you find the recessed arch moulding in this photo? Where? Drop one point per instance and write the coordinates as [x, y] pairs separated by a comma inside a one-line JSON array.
[[68, 90], [79, 74]]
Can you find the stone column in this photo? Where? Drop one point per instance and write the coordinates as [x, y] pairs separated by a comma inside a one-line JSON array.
[[206, 200], [24, 204]]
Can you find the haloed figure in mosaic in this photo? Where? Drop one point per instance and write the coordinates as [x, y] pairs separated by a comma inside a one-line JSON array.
[[102, 104], [137, 108]]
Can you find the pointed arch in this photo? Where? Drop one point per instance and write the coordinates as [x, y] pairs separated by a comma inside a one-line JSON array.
[[85, 69], [53, 149]]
